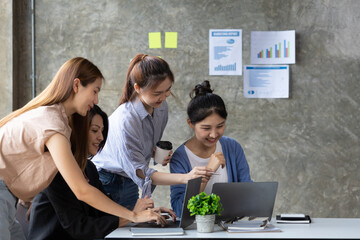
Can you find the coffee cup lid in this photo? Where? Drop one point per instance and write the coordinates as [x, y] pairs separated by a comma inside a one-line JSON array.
[[164, 145]]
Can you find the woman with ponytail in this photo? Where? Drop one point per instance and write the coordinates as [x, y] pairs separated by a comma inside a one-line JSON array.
[[208, 147], [134, 129], [50, 134]]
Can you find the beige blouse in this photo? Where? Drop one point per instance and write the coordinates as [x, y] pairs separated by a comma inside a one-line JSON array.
[[25, 167]]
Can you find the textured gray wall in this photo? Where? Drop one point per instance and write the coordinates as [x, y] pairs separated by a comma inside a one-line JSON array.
[[6, 57], [309, 143], [22, 84]]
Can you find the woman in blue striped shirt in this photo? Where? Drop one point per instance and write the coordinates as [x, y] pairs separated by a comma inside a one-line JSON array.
[[134, 129]]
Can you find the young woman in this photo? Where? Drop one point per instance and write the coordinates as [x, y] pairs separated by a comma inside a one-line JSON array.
[[135, 128], [208, 147], [58, 214], [35, 144]]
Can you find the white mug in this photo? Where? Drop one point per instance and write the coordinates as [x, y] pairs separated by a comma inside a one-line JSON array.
[[163, 149]]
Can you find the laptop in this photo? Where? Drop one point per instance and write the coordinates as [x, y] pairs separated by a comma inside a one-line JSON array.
[[246, 199], [149, 228]]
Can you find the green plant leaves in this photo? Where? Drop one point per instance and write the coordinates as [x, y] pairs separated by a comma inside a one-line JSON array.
[[203, 204]]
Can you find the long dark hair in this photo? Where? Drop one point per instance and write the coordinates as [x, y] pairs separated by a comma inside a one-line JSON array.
[[204, 102], [147, 72], [96, 110]]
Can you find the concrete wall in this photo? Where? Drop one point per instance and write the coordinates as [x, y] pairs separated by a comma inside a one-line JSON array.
[[6, 57], [22, 82], [309, 143]]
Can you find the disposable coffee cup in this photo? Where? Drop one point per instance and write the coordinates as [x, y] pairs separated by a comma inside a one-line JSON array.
[[163, 149]]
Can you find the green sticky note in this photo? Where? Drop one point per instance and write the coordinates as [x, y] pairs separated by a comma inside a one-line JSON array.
[[154, 40], [171, 39]]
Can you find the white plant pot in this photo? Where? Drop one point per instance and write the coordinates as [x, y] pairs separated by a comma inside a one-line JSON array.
[[205, 224]]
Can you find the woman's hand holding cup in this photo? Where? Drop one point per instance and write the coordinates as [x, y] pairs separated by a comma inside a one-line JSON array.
[[163, 152]]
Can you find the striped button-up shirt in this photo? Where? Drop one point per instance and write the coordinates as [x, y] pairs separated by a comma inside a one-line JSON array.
[[133, 134]]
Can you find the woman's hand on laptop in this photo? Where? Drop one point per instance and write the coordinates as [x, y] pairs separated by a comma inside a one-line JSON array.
[[167, 213], [150, 215], [143, 204]]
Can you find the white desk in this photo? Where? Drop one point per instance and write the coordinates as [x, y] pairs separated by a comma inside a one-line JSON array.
[[320, 228]]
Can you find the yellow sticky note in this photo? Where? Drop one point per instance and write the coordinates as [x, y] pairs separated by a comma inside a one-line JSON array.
[[171, 39], [154, 40]]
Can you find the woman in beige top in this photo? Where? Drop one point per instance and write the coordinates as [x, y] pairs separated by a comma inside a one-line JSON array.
[[35, 144]]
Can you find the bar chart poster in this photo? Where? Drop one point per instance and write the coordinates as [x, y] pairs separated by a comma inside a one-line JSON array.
[[270, 81], [272, 47], [225, 52]]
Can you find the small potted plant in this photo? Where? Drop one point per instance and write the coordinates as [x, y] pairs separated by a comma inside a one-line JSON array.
[[205, 207]]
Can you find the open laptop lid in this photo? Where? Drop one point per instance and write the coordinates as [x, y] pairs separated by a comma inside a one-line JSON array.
[[252, 199], [192, 188]]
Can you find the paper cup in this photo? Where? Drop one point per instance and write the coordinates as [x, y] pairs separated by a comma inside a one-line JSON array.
[[162, 150]]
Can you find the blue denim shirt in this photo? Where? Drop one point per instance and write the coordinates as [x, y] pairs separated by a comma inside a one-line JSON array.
[[133, 134]]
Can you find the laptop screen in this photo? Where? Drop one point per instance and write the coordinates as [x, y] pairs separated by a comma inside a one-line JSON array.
[[251, 199], [192, 188]]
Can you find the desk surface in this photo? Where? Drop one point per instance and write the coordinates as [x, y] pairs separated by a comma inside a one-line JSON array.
[[320, 228]]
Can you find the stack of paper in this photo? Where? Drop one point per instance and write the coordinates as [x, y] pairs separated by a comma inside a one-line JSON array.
[[247, 225], [242, 226]]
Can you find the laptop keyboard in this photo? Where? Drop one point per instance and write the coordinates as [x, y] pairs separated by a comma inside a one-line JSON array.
[[170, 224]]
